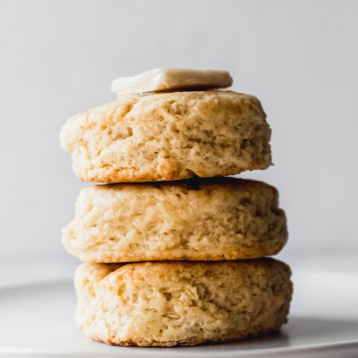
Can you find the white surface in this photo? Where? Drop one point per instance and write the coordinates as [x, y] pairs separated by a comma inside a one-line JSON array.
[[39, 318], [300, 58]]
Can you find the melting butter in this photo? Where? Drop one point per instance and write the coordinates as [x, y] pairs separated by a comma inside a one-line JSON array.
[[168, 79]]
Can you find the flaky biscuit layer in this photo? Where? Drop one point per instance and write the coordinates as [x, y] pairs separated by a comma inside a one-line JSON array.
[[182, 303], [168, 136], [197, 219]]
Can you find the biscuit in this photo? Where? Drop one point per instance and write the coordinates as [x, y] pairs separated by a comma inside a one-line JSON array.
[[197, 219], [182, 303], [168, 136]]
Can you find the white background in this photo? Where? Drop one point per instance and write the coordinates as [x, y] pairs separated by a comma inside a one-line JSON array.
[[300, 58]]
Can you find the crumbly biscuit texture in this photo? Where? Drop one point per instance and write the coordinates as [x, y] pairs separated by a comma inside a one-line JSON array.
[[198, 219], [169, 136], [182, 303]]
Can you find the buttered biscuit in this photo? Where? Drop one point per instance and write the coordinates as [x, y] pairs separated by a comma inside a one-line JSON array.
[[197, 219], [182, 303], [169, 136]]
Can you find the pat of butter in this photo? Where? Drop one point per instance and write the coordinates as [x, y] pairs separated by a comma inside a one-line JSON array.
[[166, 79]]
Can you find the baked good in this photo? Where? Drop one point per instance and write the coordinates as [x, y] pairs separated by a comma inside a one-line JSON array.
[[168, 136], [182, 303], [196, 219]]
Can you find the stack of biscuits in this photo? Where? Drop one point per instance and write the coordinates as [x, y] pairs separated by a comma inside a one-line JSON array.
[[174, 251]]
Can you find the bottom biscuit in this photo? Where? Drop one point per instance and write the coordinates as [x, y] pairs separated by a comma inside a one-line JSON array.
[[182, 303]]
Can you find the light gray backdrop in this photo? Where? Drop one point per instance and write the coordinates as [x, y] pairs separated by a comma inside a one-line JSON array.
[[298, 57]]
